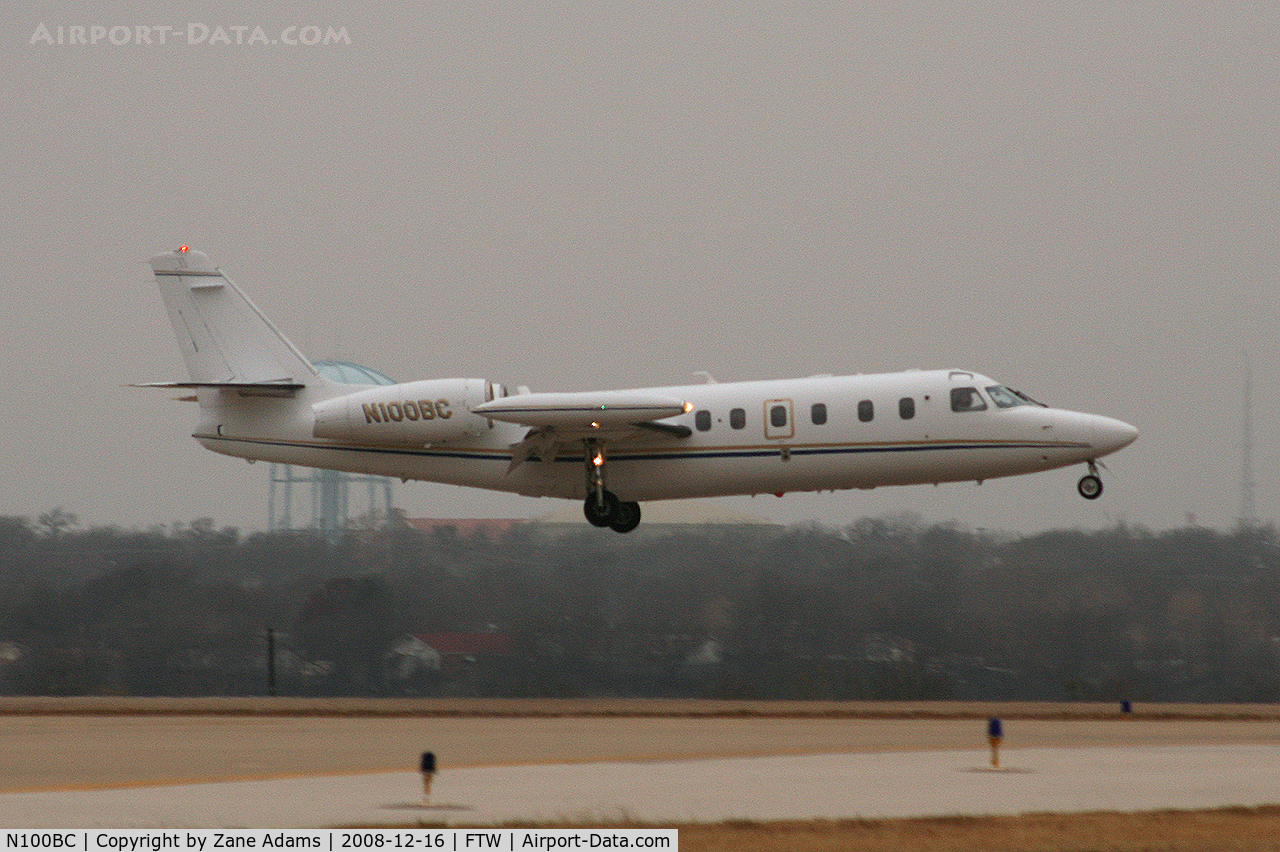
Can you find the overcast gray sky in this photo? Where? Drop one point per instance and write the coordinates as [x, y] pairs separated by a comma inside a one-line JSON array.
[[1079, 199]]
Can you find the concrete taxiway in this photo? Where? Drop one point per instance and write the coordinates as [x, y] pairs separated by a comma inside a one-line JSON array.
[[205, 772]]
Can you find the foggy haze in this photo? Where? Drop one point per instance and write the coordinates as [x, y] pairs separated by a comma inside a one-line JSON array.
[[1078, 200]]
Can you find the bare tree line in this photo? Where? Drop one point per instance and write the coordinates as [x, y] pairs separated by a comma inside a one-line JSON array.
[[882, 608]]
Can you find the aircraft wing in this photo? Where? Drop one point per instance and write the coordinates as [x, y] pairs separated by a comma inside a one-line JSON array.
[[559, 419], [583, 412]]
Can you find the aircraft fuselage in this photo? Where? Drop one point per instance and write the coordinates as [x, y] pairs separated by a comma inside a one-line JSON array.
[[748, 446], [261, 398]]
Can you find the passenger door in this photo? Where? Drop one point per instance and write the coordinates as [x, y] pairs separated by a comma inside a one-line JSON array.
[[779, 421]]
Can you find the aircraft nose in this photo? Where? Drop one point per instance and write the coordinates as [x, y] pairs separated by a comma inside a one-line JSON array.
[[1110, 434]]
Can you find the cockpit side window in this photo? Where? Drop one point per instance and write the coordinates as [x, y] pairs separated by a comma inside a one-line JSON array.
[[967, 399], [1003, 397]]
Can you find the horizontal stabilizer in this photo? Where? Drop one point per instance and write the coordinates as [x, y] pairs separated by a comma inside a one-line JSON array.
[[283, 384], [284, 388]]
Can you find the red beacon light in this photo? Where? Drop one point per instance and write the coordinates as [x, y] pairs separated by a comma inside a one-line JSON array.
[[182, 249]]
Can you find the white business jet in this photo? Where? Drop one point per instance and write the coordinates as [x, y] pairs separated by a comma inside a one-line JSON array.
[[260, 398]]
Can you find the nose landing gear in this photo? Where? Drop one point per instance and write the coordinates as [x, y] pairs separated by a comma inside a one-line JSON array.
[[1090, 485]]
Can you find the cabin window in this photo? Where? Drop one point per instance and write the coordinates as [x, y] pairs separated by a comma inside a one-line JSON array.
[[967, 399], [906, 408], [702, 420], [866, 410], [818, 413], [737, 418], [778, 416]]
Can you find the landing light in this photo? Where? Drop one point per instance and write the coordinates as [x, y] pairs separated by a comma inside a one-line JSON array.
[[688, 406], [598, 460]]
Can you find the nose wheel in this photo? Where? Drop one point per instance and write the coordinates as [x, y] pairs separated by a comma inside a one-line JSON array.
[[1090, 485]]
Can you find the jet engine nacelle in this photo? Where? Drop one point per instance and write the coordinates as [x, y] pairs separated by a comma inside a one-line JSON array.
[[433, 411]]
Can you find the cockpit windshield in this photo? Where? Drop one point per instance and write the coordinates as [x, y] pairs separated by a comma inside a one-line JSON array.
[[1005, 398], [1028, 400]]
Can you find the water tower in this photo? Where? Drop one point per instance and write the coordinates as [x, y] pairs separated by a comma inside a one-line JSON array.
[[327, 500]]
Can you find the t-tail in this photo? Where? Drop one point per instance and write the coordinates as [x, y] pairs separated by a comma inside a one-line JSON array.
[[261, 399], [225, 340]]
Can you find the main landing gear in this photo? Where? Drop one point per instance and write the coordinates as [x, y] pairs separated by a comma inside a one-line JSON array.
[[602, 507], [1090, 485]]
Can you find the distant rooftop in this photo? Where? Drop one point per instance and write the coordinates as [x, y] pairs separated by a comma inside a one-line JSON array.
[[659, 516], [467, 527], [669, 513]]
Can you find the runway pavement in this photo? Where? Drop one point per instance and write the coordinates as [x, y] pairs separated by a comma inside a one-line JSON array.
[[831, 786], [110, 772]]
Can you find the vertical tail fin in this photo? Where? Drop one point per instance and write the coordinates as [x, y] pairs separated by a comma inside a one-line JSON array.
[[224, 338]]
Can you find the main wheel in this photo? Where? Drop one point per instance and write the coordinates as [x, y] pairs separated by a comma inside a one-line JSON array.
[[626, 518], [601, 513], [1089, 486]]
